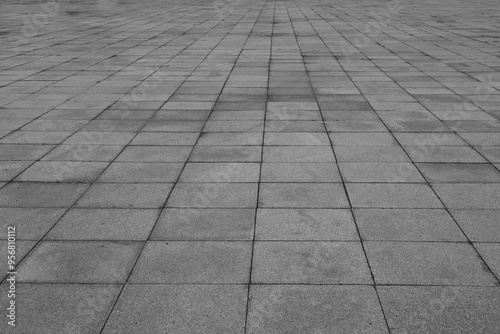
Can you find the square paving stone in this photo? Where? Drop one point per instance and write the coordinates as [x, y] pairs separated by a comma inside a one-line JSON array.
[[407, 225], [104, 224], [125, 195], [434, 309], [298, 154], [205, 224], [234, 126], [305, 224], [356, 139], [310, 263], [101, 138], [300, 172], [174, 126], [226, 154], [30, 223], [155, 154], [370, 153], [74, 308], [492, 153], [10, 169], [22, 247], [87, 152], [179, 309], [461, 154], [469, 196], [33, 137], [294, 126], [427, 263], [479, 225], [429, 139], [156, 172], [220, 172], [481, 139], [392, 195], [23, 152], [356, 126], [165, 138], [459, 173], [79, 262], [302, 195], [296, 139], [194, 262], [225, 139], [214, 195], [489, 252], [380, 172], [42, 195], [284, 309], [63, 171]]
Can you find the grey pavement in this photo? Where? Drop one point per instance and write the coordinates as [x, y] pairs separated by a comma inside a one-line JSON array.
[[251, 166]]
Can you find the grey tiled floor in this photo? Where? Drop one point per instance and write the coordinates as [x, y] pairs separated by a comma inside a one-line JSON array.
[[237, 166]]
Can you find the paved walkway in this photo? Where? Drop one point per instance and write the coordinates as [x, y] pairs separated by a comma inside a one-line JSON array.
[[342, 157]]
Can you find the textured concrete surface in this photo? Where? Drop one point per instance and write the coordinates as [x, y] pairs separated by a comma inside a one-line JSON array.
[[237, 166]]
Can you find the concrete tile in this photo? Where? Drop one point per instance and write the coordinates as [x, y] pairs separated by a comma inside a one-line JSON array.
[[62, 171], [302, 195], [462, 154], [155, 154], [469, 196], [79, 262], [10, 169], [429, 139], [426, 263], [380, 172], [298, 154], [459, 173], [407, 225], [370, 153], [445, 309], [355, 126], [492, 153], [17, 152], [34, 137], [125, 195], [479, 225], [225, 139], [41, 195], [213, 195], [295, 139], [21, 249], [205, 224], [102, 138], [226, 154], [392, 195], [300, 172], [77, 308], [165, 138], [179, 309], [220, 172], [156, 172], [84, 152], [489, 252], [314, 309], [174, 126], [355, 139], [305, 224], [104, 224], [309, 263], [30, 223], [193, 262]]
